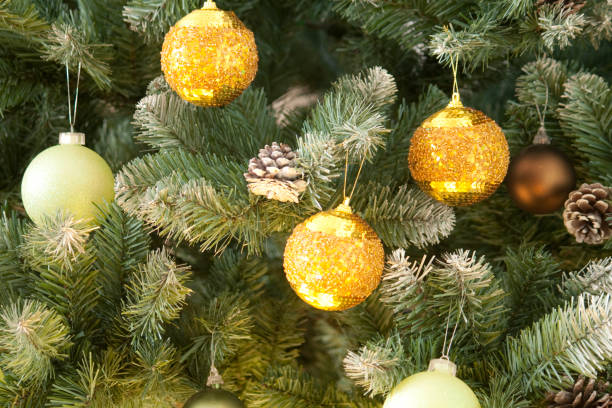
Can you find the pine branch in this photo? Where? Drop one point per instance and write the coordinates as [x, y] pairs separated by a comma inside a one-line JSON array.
[[573, 339], [220, 326], [277, 336], [60, 241], [528, 280], [408, 23], [153, 18], [61, 259], [12, 231], [460, 288], [23, 21], [405, 122], [239, 130], [503, 392], [33, 337], [156, 293], [67, 45], [290, 388], [595, 278], [404, 216], [379, 365], [353, 113], [367, 320], [587, 115], [154, 378], [559, 25]]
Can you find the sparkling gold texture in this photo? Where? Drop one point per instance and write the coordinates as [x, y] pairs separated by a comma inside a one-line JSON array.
[[459, 156], [209, 57], [334, 259]]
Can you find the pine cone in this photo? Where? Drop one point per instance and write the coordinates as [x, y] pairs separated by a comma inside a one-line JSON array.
[[573, 5], [274, 174], [586, 212], [586, 393]]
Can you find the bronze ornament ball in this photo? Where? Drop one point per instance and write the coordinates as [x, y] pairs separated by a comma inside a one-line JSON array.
[[213, 398], [540, 178]]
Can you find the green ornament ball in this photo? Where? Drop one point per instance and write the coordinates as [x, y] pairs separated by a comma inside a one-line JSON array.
[[213, 398], [432, 389], [66, 177]]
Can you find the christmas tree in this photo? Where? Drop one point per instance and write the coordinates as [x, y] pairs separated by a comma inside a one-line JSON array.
[[183, 277]]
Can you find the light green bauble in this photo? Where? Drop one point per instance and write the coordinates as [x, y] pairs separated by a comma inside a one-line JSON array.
[[437, 388], [67, 177]]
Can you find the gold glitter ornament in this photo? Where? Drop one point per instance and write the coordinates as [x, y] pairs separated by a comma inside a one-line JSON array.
[[334, 259], [458, 155], [209, 57]]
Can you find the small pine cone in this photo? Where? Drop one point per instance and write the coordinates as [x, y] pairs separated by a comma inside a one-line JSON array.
[[274, 173], [573, 6], [586, 214], [586, 393]]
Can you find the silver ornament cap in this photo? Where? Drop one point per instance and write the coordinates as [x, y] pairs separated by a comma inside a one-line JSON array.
[[443, 365], [72, 138]]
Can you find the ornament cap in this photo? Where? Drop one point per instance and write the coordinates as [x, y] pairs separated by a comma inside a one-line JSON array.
[[345, 207], [541, 136], [214, 378], [443, 365], [72, 138], [209, 5], [455, 101]]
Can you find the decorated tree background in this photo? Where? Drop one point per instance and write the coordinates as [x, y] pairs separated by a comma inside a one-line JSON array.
[[185, 270]]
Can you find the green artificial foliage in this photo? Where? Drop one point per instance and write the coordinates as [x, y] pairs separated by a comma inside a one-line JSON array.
[[184, 270]]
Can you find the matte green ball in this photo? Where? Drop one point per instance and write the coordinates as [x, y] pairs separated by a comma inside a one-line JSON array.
[[432, 389], [70, 178], [213, 398]]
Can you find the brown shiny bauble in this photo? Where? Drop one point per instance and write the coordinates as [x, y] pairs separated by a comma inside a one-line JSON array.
[[540, 178], [213, 398]]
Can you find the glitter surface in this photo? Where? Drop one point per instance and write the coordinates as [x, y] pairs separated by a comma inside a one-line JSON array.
[[459, 156], [209, 57], [334, 259]]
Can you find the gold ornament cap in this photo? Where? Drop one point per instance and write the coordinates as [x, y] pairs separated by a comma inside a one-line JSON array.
[[443, 365], [72, 138], [210, 16]]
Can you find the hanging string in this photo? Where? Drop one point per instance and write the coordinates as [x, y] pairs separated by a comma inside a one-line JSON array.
[[71, 115], [214, 378], [345, 175], [346, 159], [541, 116], [446, 351], [357, 178], [541, 136], [454, 61], [454, 67]]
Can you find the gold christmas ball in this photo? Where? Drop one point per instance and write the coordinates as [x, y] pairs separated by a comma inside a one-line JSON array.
[[334, 259], [540, 178], [209, 57], [458, 155]]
